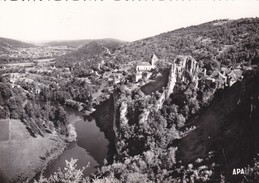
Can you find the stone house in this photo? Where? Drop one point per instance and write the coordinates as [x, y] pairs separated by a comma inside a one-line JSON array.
[[142, 67]]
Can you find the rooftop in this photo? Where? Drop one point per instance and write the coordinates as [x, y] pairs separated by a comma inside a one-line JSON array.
[[143, 63]]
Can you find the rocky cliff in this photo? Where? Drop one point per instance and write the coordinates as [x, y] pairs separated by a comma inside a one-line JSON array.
[[183, 69], [111, 114], [228, 127]]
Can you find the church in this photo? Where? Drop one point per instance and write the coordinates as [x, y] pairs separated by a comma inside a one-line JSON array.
[[144, 67]]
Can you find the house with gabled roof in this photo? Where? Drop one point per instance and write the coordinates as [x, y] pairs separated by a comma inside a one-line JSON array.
[[146, 66], [142, 67]]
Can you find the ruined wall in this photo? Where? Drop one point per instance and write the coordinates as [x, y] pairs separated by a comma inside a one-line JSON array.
[[181, 66]]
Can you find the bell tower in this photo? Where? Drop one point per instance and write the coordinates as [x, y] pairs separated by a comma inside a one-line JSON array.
[[154, 59]]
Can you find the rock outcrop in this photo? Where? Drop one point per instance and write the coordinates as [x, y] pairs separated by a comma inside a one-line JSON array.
[[183, 69], [112, 113]]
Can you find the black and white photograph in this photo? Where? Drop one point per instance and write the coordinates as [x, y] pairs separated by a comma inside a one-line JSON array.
[[129, 91]]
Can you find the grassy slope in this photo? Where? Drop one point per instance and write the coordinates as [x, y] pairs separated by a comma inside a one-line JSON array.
[[23, 156], [4, 127]]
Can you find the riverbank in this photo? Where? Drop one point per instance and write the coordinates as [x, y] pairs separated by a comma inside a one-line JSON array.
[[23, 156], [90, 146]]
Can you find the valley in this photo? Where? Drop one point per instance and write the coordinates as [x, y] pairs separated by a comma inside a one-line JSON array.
[[181, 106]]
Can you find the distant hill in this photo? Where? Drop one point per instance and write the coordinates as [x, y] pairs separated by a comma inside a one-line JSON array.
[[96, 47], [91, 50], [80, 43], [212, 44], [70, 43], [8, 44]]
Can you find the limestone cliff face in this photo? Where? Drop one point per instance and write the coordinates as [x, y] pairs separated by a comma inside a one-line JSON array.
[[113, 113], [184, 68], [123, 112], [187, 68], [104, 116]]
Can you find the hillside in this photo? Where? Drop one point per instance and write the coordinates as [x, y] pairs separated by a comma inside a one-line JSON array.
[[97, 47], [228, 127], [71, 43], [218, 42], [213, 44], [89, 52], [6, 45]]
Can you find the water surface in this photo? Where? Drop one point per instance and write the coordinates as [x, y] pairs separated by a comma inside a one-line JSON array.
[[91, 146]]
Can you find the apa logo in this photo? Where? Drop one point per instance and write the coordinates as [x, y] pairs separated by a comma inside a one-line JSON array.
[[240, 171]]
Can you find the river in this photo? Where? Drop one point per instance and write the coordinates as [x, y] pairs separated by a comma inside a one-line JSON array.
[[91, 146]]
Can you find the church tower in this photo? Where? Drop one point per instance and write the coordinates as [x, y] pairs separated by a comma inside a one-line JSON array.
[[154, 60]]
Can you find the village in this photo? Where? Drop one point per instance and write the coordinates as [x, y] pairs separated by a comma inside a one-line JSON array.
[[221, 78], [36, 52], [137, 73]]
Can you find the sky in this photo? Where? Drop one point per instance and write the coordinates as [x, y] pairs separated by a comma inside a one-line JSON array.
[[127, 20]]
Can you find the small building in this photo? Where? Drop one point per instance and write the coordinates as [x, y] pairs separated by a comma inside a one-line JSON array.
[[233, 76], [142, 67], [220, 78], [146, 66]]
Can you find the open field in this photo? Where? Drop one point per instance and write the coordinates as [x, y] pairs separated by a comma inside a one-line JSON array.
[[17, 130], [23, 156], [4, 130], [22, 64], [44, 60]]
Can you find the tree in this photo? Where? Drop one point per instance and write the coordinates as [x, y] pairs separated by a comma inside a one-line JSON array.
[[29, 109], [68, 175], [15, 106], [5, 90]]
